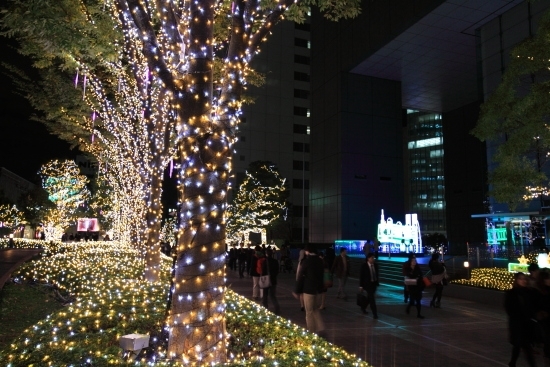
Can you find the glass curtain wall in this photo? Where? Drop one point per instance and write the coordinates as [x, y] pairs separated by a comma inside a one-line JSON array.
[[426, 171]]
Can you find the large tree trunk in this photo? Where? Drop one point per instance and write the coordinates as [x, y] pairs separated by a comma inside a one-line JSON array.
[[154, 221], [197, 316]]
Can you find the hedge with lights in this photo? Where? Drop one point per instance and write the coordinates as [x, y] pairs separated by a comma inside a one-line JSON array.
[[112, 301]]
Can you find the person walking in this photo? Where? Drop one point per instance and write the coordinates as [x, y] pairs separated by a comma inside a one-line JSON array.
[[518, 303], [326, 270], [270, 266], [542, 309], [438, 275], [369, 282], [312, 271], [242, 258], [255, 272], [301, 257], [414, 274], [404, 270], [341, 268]]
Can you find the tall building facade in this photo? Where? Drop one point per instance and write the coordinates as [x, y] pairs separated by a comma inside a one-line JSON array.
[[441, 58], [375, 113], [276, 126], [424, 170]]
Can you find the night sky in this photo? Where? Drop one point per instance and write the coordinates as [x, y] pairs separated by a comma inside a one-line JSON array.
[[25, 145]]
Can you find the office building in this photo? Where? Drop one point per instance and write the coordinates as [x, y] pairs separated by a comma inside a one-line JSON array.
[[276, 126], [440, 58]]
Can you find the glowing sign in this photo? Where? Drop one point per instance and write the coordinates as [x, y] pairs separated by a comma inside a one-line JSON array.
[[87, 225], [398, 237]]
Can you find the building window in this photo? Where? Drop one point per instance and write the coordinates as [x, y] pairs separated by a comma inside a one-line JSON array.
[[300, 147], [301, 111], [299, 165], [302, 26], [300, 129], [301, 93], [300, 42], [299, 184], [300, 59], [303, 77]]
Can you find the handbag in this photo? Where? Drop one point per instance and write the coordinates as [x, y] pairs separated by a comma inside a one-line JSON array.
[[410, 281], [427, 282], [362, 300], [445, 280], [265, 280], [328, 279]]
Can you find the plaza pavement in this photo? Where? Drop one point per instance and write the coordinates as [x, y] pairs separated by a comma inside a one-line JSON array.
[[461, 333]]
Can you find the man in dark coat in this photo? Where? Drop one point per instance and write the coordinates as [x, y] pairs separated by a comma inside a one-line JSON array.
[[312, 271], [518, 303], [369, 281]]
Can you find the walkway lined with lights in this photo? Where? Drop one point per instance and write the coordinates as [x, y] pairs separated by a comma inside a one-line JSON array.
[[461, 333], [11, 259]]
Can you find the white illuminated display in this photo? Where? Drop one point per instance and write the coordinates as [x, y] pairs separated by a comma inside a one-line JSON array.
[[407, 237]]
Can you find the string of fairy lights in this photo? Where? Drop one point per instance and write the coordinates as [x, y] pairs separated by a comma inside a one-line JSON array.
[[158, 94], [67, 190], [257, 204], [111, 300]]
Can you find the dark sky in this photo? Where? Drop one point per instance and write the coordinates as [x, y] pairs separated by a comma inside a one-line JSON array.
[[25, 145]]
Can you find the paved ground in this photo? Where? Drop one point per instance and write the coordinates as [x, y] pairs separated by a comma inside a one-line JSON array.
[[11, 259], [461, 333]]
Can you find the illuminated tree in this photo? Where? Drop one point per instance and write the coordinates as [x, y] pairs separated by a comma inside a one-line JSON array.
[[169, 47], [169, 231], [260, 201], [10, 217], [66, 188], [112, 106], [517, 116], [102, 205]]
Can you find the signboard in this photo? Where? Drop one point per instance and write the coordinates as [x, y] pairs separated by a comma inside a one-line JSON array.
[[87, 225]]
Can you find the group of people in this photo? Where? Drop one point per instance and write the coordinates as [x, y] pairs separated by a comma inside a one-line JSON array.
[[263, 263], [527, 305], [415, 284], [314, 275], [241, 258]]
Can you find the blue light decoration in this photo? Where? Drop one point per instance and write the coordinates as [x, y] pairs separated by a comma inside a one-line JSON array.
[[354, 247], [399, 238]]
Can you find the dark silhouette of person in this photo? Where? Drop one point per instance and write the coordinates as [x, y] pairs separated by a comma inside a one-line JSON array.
[[369, 281], [271, 267], [518, 303]]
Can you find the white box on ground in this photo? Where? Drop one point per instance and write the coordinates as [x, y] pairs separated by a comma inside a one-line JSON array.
[[134, 341]]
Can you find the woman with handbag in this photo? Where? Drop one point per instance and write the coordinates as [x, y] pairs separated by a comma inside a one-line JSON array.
[[415, 283], [439, 274]]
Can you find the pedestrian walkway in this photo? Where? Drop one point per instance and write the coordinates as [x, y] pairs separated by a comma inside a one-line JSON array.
[[461, 333], [11, 259]]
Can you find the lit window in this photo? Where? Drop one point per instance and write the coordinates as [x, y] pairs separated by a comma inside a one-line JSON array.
[[425, 143]]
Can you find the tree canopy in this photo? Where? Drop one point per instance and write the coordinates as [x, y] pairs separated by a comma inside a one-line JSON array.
[[260, 201], [516, 117]]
